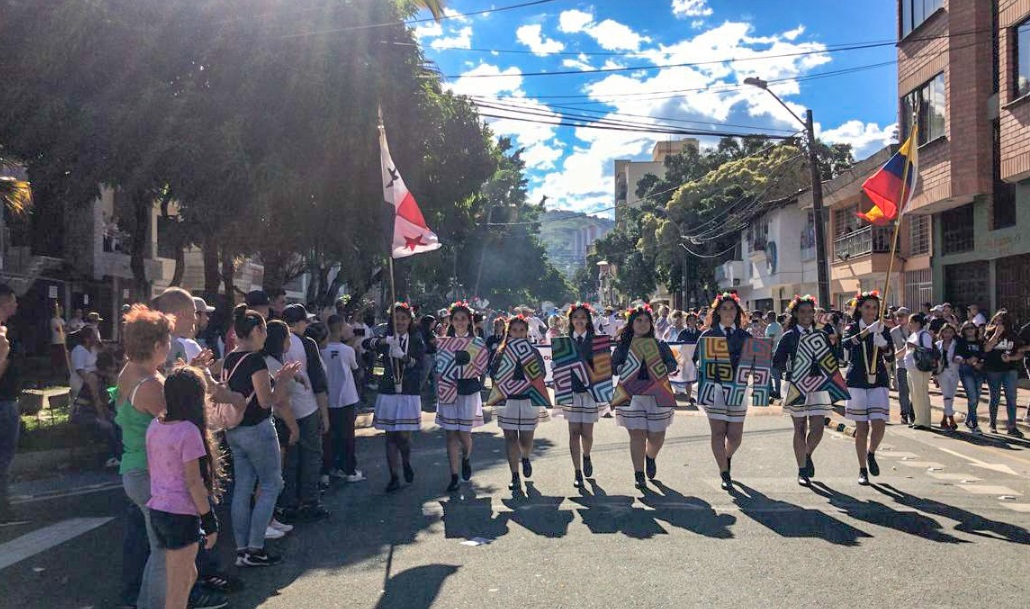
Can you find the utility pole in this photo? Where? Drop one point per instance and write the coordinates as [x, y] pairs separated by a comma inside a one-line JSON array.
[[821, 262]]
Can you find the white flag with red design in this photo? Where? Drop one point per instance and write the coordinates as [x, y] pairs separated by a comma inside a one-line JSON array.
[[411, 235]]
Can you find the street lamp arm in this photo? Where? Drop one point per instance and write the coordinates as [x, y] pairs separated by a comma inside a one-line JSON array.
[[761, 84]]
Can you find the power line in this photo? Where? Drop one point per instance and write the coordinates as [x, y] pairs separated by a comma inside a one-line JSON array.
[[562, 122], [413, 21]]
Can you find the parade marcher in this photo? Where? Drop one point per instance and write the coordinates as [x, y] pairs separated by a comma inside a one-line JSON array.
[[809, 416], [398, 409], [584, 411], [726, 319], [919, 340], [899, 334], [643, 418], [868, 344], [459, 417], [1003, 358], [948, 374], [518, 417]]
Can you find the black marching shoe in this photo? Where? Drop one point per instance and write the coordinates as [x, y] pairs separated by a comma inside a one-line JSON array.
[[527, 468], [727, 482], [641, 482], [651, 466], [578, 482], [516, 482], [588, 467], [466, 469], [863, 476], [409, 473], [453, 486], [394, 485], [810, 466], [874, 467], [803, 478]]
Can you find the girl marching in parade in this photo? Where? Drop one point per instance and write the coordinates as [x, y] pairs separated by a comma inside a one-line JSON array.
[[808, 416], [458, 418], [725, 320], [867, 340], [399, 405], [643, 418], [584, 411], [519, 416]]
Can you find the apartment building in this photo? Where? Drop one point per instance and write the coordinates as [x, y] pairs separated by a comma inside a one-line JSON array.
[[964, 73], [628, 173]]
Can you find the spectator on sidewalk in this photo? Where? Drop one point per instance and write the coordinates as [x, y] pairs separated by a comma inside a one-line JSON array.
[[976, 316], [899, 336], [1024, 335], [58, 344], [918, 380], [948, 375], [84, 362], [10, 389], [1004, 357], [970, 348], [341, 366], [76, 322]]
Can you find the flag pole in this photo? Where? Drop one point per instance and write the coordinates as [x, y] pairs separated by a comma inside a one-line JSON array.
[[902, 203]]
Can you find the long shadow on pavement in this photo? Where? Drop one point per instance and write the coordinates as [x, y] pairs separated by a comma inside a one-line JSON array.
[[968, 522], [538, 513], [688, 513], [882, 515], [415, 588], [605, 514], [790, 520]]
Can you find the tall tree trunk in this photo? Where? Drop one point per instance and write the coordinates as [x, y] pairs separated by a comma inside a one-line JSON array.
[[212, 276], [229, 279], [141, 206]]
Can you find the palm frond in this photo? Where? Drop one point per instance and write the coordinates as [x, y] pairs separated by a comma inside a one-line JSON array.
[[434, 6], [15, 194]]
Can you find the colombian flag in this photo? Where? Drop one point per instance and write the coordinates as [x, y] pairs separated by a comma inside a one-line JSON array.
[[890, 188]]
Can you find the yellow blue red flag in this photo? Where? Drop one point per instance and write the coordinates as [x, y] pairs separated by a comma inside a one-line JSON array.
[[890, 188]]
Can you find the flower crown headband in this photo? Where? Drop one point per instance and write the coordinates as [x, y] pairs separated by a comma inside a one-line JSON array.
[[800, 300], [645, 308], [860, 296], [519, 317], [580, 305], [725, 296], [460, 305]]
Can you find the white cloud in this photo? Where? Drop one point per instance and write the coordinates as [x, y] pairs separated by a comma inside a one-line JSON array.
[[532, 37], [794, 33], [574, 21], [581, 62], [454, 15], [462, 39], [508, 80], [865, 138], [691, 8], [429, 30]]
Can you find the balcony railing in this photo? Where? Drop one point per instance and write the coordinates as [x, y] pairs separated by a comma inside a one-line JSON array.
[[867, 240]]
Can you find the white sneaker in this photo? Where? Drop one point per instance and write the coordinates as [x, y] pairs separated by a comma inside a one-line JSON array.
[[271, 533], [112, 462], [337, 474], [357, 476], [280, 526], [324, 480]]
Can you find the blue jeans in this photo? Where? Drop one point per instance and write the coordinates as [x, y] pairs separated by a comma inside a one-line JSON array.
[[135, 552], [303, 466], [10, 423], [996, 382], [972, 384], [257, 463], [152, 586], [903, 395]]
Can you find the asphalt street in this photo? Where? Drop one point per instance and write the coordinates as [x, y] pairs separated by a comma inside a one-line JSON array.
[[945, 525]]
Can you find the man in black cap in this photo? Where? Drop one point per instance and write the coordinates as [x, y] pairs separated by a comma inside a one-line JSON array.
[[258, 301], [305, 457]]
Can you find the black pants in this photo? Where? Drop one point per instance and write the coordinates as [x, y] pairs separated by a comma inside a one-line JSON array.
[[341, 454]]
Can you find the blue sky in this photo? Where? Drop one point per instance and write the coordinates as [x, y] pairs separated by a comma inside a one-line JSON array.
[[573, 166]]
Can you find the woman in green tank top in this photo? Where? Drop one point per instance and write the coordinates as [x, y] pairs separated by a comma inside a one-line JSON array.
[[147, 340]]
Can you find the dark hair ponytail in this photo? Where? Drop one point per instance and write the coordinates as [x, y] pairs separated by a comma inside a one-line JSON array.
[[185, 400], [245, 320], [278, 331]]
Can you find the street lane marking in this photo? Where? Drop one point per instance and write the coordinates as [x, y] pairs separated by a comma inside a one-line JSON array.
[[1016, 507], [978, 489], [952, 476], [87, 490], [1005, 469], [895, 454], [38, 541], [922, 464]]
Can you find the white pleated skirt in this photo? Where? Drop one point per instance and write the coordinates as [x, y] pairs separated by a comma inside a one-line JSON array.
[[721, 411], [519, 415], [816, 404], [461, 415], [643, 412], [398, 412], [868, 404]]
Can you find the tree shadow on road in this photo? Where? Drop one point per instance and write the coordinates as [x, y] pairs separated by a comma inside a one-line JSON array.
[[968, 522], [790, 520], [415, 588], [688, 513], [882, 515], [606, 514]]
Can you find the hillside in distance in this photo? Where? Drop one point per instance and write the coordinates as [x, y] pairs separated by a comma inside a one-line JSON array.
[[558, 233]]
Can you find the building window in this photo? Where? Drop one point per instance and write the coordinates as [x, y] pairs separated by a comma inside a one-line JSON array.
[[758, 235], [918, 235], [808, 238], [845, 220], [957, 230], [927, 102], [1003, 200], [915, 12], [1021, 60]]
